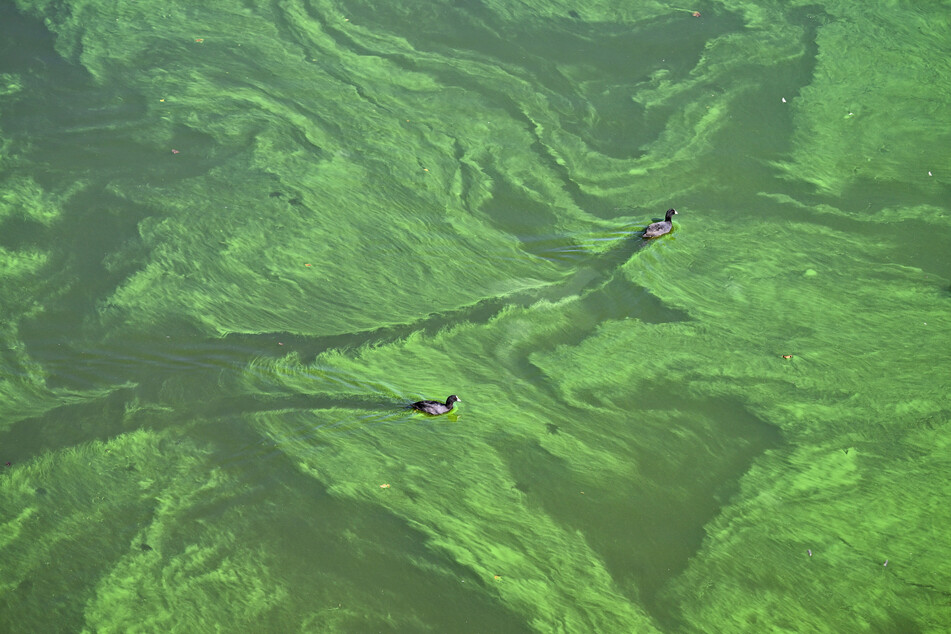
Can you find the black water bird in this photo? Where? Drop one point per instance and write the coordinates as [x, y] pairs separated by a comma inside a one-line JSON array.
[[660, 228], [435, 408]]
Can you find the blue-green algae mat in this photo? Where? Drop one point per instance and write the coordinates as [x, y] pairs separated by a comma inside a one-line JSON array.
[[237, 238]]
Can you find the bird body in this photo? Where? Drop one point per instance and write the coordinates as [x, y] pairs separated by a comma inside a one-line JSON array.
[[435, 408], [660, 228]]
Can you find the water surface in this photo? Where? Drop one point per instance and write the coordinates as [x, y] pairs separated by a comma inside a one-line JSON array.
[[235, 241]]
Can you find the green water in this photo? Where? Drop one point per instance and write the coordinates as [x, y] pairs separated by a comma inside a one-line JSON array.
[[236, 239]]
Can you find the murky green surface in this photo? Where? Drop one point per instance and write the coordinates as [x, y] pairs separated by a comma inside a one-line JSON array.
[[236, 239]]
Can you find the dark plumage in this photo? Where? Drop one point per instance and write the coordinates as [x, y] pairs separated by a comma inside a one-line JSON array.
[[435, 408], [660, 228]]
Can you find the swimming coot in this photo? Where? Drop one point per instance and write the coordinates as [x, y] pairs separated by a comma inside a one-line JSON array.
[[435, 408], [660, 228]]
